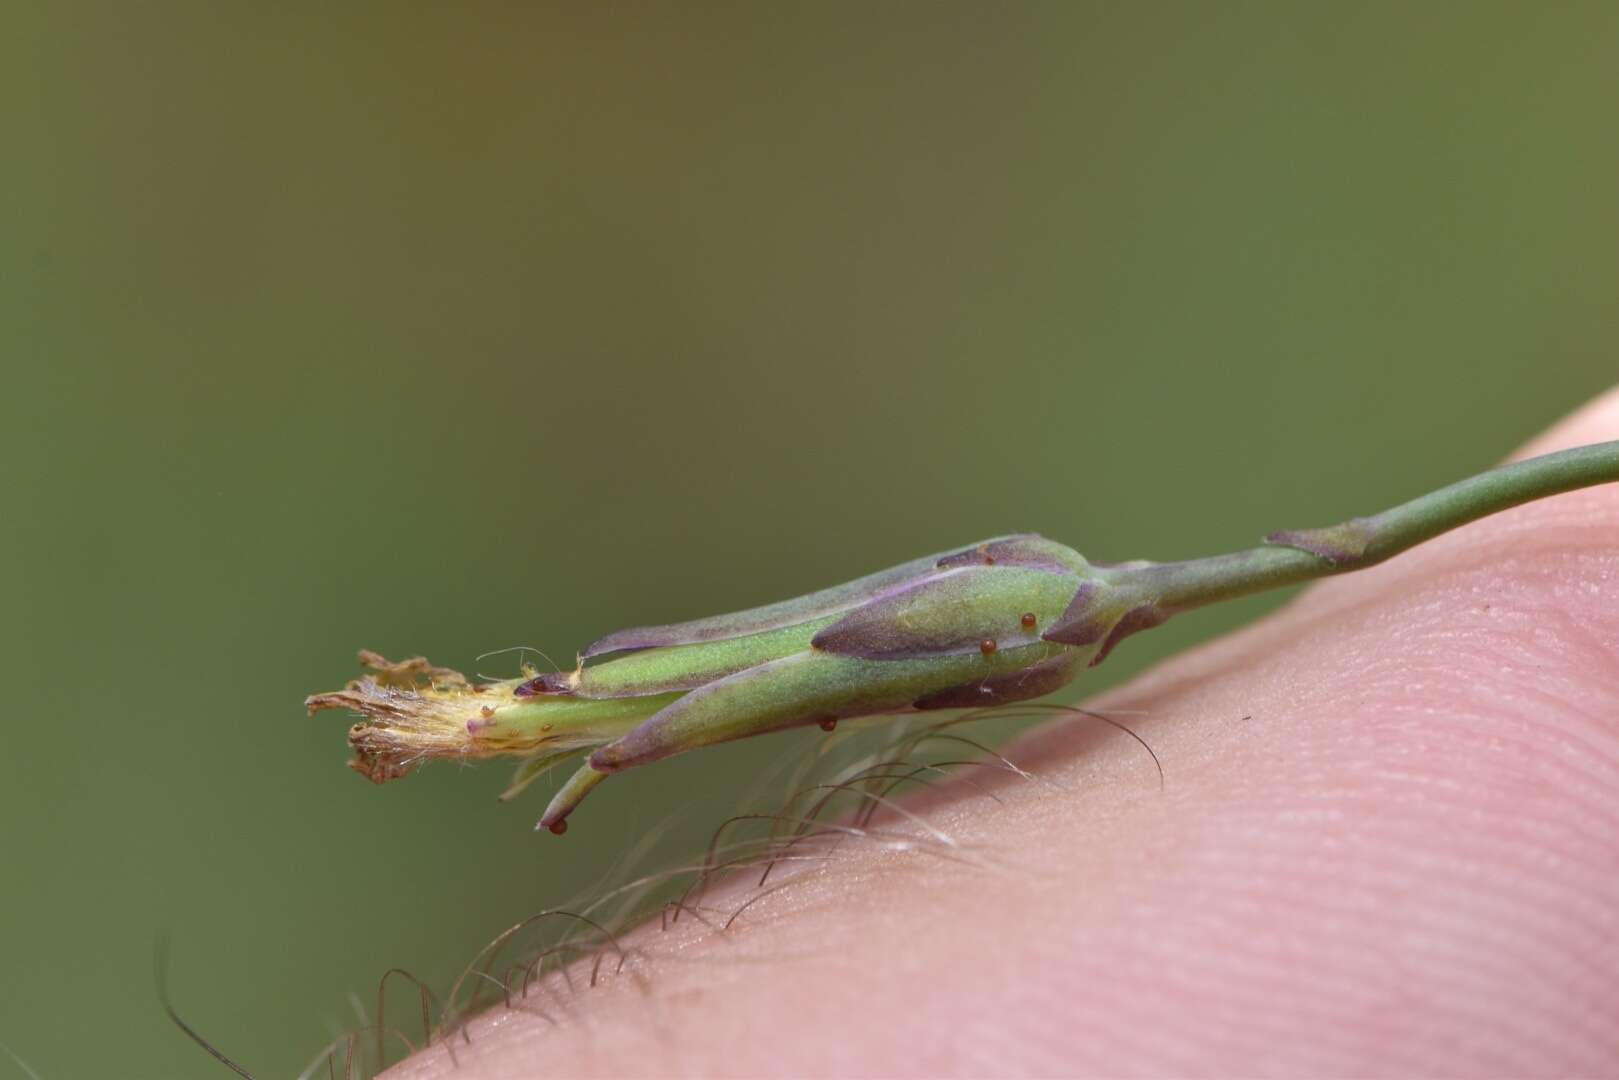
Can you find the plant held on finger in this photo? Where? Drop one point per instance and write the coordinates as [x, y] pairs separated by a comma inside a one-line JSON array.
[[1005, 620]]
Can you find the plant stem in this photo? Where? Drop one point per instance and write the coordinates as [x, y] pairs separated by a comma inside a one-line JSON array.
[[1299, 555]]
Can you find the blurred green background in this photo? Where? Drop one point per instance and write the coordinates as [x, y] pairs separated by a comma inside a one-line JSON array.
[[368, 325]]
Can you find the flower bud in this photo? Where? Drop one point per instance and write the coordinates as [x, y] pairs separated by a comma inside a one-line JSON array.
[[992, 623]]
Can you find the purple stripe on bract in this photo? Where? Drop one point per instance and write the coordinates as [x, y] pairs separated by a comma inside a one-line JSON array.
[[1025, 549], [1032, 682], [1135, 620], [816, 605], [1079, 624]]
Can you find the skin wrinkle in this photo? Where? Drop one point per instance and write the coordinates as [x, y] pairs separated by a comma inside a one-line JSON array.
[[1406, 861], [1246, 973]]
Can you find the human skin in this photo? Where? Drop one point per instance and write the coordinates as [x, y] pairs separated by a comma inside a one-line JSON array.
[[1387, 844]]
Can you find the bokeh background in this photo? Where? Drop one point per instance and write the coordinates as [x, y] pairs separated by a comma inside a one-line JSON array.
[[442, 331]]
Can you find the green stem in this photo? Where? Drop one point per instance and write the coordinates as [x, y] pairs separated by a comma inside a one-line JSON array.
[[1299, 555]]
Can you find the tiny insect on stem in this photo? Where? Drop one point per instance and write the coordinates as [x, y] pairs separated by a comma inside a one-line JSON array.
[[1009, 619]]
